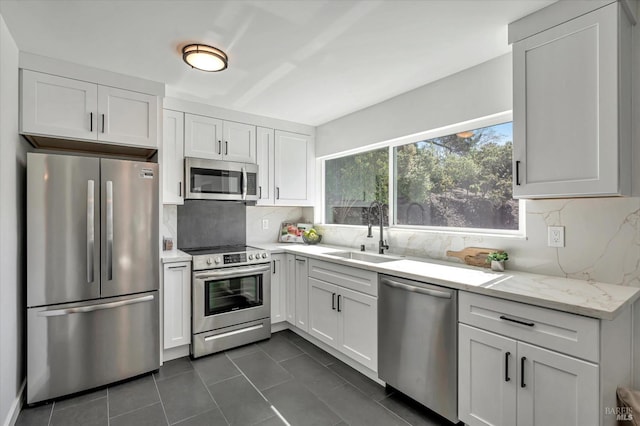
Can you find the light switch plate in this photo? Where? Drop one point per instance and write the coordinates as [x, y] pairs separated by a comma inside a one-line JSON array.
[[556, 236], [265, 223]]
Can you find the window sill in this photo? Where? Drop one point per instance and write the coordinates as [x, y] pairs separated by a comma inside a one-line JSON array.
[[511, 235]]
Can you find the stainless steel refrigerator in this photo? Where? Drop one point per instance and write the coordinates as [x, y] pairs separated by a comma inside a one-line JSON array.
[[92, 273]]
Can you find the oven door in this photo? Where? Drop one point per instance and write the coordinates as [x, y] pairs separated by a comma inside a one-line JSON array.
[[220, 180], [230, 296]]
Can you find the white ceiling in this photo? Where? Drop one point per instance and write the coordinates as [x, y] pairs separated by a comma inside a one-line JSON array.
[[308, 61]]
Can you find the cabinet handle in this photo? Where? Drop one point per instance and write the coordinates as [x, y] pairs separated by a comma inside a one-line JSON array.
[[260, 192], [91, 122], [506, 367], [179, 189], [102, 123], [226, 147], [177, 267], [522, 383], [528, 324], [333, 301], [274, 266], [339, 297], [219, 147], [518, 172], [277, 192]]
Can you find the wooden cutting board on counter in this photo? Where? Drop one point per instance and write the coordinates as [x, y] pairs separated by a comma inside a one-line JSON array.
[[474, 256]]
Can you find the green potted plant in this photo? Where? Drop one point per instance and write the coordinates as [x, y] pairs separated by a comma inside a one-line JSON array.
[[497, 259]]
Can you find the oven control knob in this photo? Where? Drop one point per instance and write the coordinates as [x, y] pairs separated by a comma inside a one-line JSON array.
[[250, 257], [217, 260], [264, 255], [209, 261]]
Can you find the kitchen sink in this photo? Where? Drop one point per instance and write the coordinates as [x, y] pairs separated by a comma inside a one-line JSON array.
[[363, 257]]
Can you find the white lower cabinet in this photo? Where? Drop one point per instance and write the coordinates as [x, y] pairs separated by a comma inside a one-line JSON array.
[[290, 284], [506, 378], [176, 281], [302, 293], [344, 319], [278, 288]]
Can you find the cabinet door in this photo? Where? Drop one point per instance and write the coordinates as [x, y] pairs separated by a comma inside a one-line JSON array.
[[323, 318], [278, 288], [265, 158], [290, 309], [294, 168], [358, 327], [57, 106], [486, 378], [302, 293], [177, 304], [127, 117], [202, 137], [173, 157], [555, 389], [565, 111], [239, 142]]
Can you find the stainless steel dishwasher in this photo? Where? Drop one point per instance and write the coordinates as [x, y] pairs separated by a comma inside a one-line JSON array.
[[418, 342]]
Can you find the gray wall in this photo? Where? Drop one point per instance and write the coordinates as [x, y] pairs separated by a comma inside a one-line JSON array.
[[12, 231], [473, 93]]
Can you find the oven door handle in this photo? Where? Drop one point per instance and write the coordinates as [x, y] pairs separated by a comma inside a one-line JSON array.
[[236, 272]]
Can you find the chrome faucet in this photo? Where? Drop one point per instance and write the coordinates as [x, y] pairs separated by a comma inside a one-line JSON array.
[[382, 244]]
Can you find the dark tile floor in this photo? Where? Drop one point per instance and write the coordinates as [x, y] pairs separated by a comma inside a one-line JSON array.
[[284, 380]]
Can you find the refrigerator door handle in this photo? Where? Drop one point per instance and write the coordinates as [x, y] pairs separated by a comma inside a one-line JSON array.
[[93, 308], [91, 237], [244, 184], [109, 230]]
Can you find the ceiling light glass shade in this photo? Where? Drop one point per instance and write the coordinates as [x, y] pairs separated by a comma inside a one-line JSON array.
[[205, 58]]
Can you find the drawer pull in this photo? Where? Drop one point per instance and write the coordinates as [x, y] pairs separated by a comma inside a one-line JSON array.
[[333, 301], [528, 324], [522, 383], [506, 367]]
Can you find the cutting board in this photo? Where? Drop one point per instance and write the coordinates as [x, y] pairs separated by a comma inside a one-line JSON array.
[[474, 256]]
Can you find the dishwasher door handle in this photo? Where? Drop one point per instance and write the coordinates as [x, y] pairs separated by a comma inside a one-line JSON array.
[[427, 291]]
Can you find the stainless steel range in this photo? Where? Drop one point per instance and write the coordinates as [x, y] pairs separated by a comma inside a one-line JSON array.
[[231, 298]]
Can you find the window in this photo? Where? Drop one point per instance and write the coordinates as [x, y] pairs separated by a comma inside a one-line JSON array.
[[352, 183], [462, 180], [457, 180]]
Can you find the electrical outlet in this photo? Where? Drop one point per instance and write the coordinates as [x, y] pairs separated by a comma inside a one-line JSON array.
[[556, 236], [265, 223]]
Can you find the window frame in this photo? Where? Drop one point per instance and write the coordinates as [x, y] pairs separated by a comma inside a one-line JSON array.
[[486, 121]]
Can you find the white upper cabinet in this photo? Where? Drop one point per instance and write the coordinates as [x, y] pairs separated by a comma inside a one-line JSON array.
[[266, 159], [58, 106], [293, 169], [239, 142], [571, 105], [173, 157], [127, 117], [212, 138], [202, 137], [65, 108]]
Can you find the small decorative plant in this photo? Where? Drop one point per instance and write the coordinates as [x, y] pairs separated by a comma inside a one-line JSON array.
[[499, 256], [497, 259]]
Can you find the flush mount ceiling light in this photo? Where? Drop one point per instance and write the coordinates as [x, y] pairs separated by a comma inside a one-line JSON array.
[[466, 134], [205, 58]]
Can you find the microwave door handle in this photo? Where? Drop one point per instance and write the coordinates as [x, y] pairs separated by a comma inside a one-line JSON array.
[[244, 184]]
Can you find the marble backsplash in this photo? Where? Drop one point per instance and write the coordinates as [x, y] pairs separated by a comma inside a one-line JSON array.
[[601, 240], [254, 217]]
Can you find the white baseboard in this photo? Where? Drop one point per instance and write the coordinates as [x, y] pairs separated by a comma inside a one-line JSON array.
[[16, 407], [174, 353]]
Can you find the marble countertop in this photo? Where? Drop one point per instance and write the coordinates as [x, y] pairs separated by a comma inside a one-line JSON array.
[[172, 256], [597, 300]]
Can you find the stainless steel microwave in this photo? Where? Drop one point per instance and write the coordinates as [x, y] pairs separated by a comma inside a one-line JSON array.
[[220, 180]]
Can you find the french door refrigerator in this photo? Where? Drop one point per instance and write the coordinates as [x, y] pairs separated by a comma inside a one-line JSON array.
[[92, 273]]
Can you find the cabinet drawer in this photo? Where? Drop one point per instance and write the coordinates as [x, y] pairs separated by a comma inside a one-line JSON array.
[[354, 278], [560, 331]]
